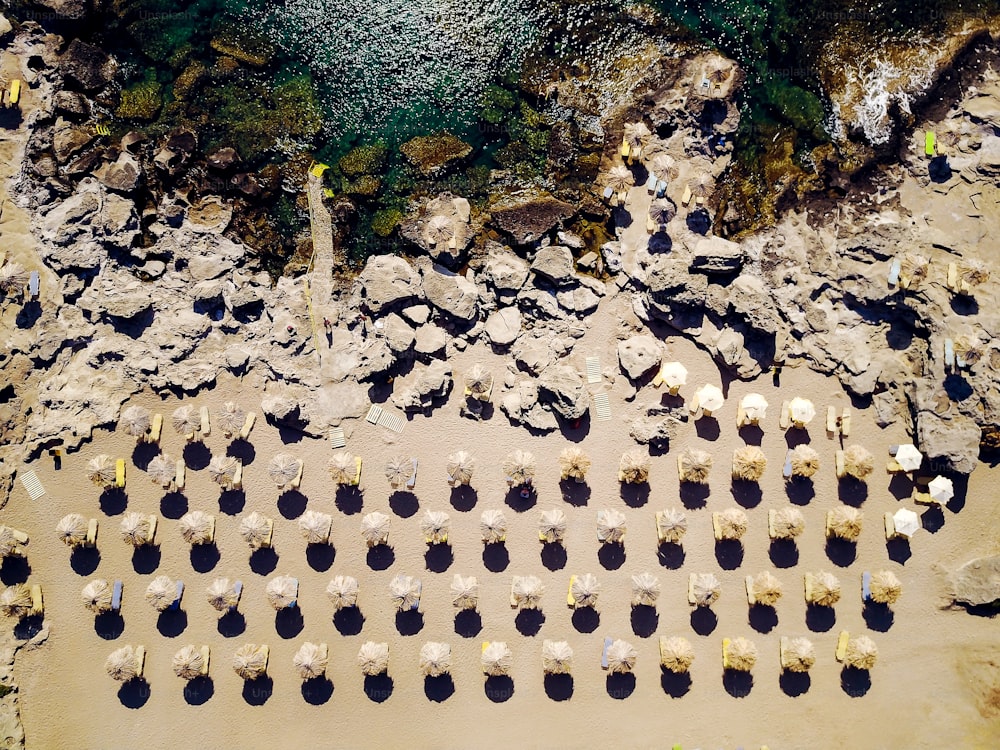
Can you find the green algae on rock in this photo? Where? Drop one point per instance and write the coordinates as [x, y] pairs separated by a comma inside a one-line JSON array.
[[366, 159], [432, 153], [141, 101], [244, 44]]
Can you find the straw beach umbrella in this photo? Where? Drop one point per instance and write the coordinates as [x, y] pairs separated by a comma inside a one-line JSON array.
[[885, 587], [585, 589], [342, 591], [162, 470], [973, 272], [343, 468], [527, 592], [101, 470], [557, 657], [136, 529], [161, 593], [766, 589], [672, 525], [749, 463], [662, 211], [72, 529], [283, 469], [13, 277], [621, 657], [787, 523], [732, 523], [619, 178], [611, 526], [282, 592], [460, 468], [398, 471], [858, 462], [801, 411], [633, 468], [186, 421], [705, 589], [373, 658], [915, 267], [754, 407], [222, 594], [136, 420], [15, 601], [497, 659], [693, 465], [844, 522], [9, 544], [404, 591], [435, 525], [908, 457], [435, 659], [311, 660], [123, 664], [222, 470], [741, 655], [493, 526], [231, 418], [96, 596], [188, 663], [861, 653], [196, 527], [465, 592], [375, 528], [825, 590], [315, 527], [710, 398], [552, 526], [797, 655], [478, 381], [805, 461], [665, 167], [676, 654], [255, 528], [250, 661], [519, 468], [573, 464], [645, 590], [636, 135]]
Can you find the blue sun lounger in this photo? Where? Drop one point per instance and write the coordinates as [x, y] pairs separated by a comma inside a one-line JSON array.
[[116, 597], [180, 592], [604, 654], [866, 586]]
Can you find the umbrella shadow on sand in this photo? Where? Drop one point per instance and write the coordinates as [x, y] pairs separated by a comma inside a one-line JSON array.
[[763, 618], [197, 456], [738, 684], [841, 552], [292, 504], [14, 569], [380, 557], [232, 624], [694, 495], [855, 682], [320, 556], [611, 556], [468, 623], [232, 502], [559, 687], [529, 621], [348, 620], [820, 619], [438, 557], [317, 690], [404, 504], [729, 553], [263, 561], [109, 625], [84, 560], [173, 505], [258, 692], [634, 495], [899, 550], [496, 557], [378, 687], [675, 684], [439, 689], [134, 693], [288, 622], [464, 498], [575, 493], [645, 620], [143, 453], [794, 684], [409, 622], [172, 623], [878, 616], [113, 501], [586, 619], [204, 557], [146, 558], [349, 500], [784, 553], [852, 491], [746, 494], [199, 691], [704, 620], [671, 555], [800, 490], [499, 688], [554, 555], [620, 686]]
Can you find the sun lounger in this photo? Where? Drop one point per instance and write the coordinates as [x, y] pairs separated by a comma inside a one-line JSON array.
[[19, 536], [270, 533], [15, 93], [691, 599], [206, 422], [34, 283], [831, 420], [180, 475], [152, 529], [116, 597], [604, 653], [91, 539], [695, 404], [770, 522], [650, 225], [267, 655], [155, 427], [725, 653], [570, 600], [238, 588], [32, 484], [140, 660], [809, 581], [894, 269], [412, 481], [829, 524], [297, 480], [930, 143], [416, 604], [661, 188], [651, 184], [949, 354], [206, 657], [786, 469], [120, 473], [357, 476], [842, 644], [295, 601], [845, 422], [211, 530], [784, 416], [247, 425], [751, 599], [608, 193], [513, 599], [839, 461], [741, 415], [238, 477], [890, 526], [660, 535], [37, 603], [866, 586], [686, 197], [626, 149], [180, 593]]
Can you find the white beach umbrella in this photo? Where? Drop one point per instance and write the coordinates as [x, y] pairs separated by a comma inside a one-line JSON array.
[[404, 592], [801, 411], [942, 490], [754, 406], [493, 526], [909, 457], [710, 397], [906, 522], [645, 589], [585, 590], [674, 374], [311, 660], [610, 526]]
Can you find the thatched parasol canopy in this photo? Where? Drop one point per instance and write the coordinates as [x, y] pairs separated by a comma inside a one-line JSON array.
[[858, 462], [585, 590], [619, 178], [222, 594], [845, 523], [283, 469], [136, 420], [573, 464], [825, 589], [373, 658], [908, 457], [914, 266], [633, 468], [801, 411], [527, 592], [136, 529], [465, 592], [196, 527], [557, 657], [636, 133], [676, 654], [96, 596], [797, 655], [162, 470], [552, 525], [674, 374], [398, 471], [222, 470], [343, 468], [519, 468], [255, 528], [122, 664], [439, 228], [404, 591], [478, 380], [703, 185], [311, 660], [435, 659], [970, 349], [315, 527], [250, 661], [710, 398], [611, 526], [161, 593], [662, 211], [72, 529], [621, 657], [885, 587], [805, 461], [101, 470], [493, 526], [665, 167], [694, 465], [375, 528], [766, 589], [282, 592], [861, 653], [497, 659], [788, 523], [188, 663], [672, 525], [15, 601], [749, 463], [231, 418], [754, 407], [9, 544], [973, 272], [705, 589], [435, 525], [343, 592], [186, 420], [13, 277], [741, 655], [460, 467], [645, 589], [732, 523]]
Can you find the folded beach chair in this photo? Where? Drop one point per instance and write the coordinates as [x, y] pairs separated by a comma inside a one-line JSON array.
[[238, 477], [604, 653], [715, 526], [238, 588], [845, 422], [661, 188], [651, 184], [420, 589], [809, 581], [211, 530], [725, 652], [180, 475], [930, 143], [140, 660], [91, 540], [152, 529], [570, 601], [206, 656], [784, 416], [412, 481], [298, 476], [786, 470], [247, 426], [176, 604], [34, 284], [37, 603], [15, 93], [751, 599], [155, 427], [116, 597], [120, 472], [842, 644], [357, 476], [686, 197], [831, 420], [890, 526], [841, 471], [894, 270], [626, 149], [866, 586], [206, 422], [608, 193]]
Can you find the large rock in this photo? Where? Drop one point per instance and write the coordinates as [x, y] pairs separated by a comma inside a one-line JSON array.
[[503, 326], [505, 272], [564, 390], [374, 357], [527, 219], [87, 65], [951, 445], [654, 430], [430, 340], [672, 290], [716, 255], [437, 226], [420, 389], [989, 156], [432, 153], [69, 140], [521, 406], [449, 292], [122, 174], [977, 583], [388, 281], [398, 333], [555, 264], [72, 10], [638, 355]]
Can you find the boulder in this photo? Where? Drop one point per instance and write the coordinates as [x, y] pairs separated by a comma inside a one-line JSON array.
[[210, 215], [977, 583], [653, 430], [984, 109], [374, 357], [423, 387], [503, 326], [581, 300], [750, 300], [87, 65], [72, 104], [441, 228], [72, 10], [716, 255], [521, 406], [69, 140], [388, 281], [398, 333], [430, 340], [989, 156], [555, 264], [449, 292], [281, 409], [952, 444], [639, 354], [672, 290], [528, 219], [121, 175], [564, 390], [504, 271], [417, 314], [223, 159]]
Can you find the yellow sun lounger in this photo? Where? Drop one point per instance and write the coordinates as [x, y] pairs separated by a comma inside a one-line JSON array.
[[831, 420], [570, 601], [715, 525], [625, 149], [725, 653], [206, 422], [140, 660], [842, 644], [180, 475], [211, 530], [691, 599], [247, 426], [841, 470], [238, 477], [751, 598], [686, 198], [120, 472], [155, 427], [15, 93], [37, 603], [152, 529], [357, 476], [91, 540], [206, 656], [298, 476]]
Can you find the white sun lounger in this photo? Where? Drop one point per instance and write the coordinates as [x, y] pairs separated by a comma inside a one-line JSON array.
[[32, 484]]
